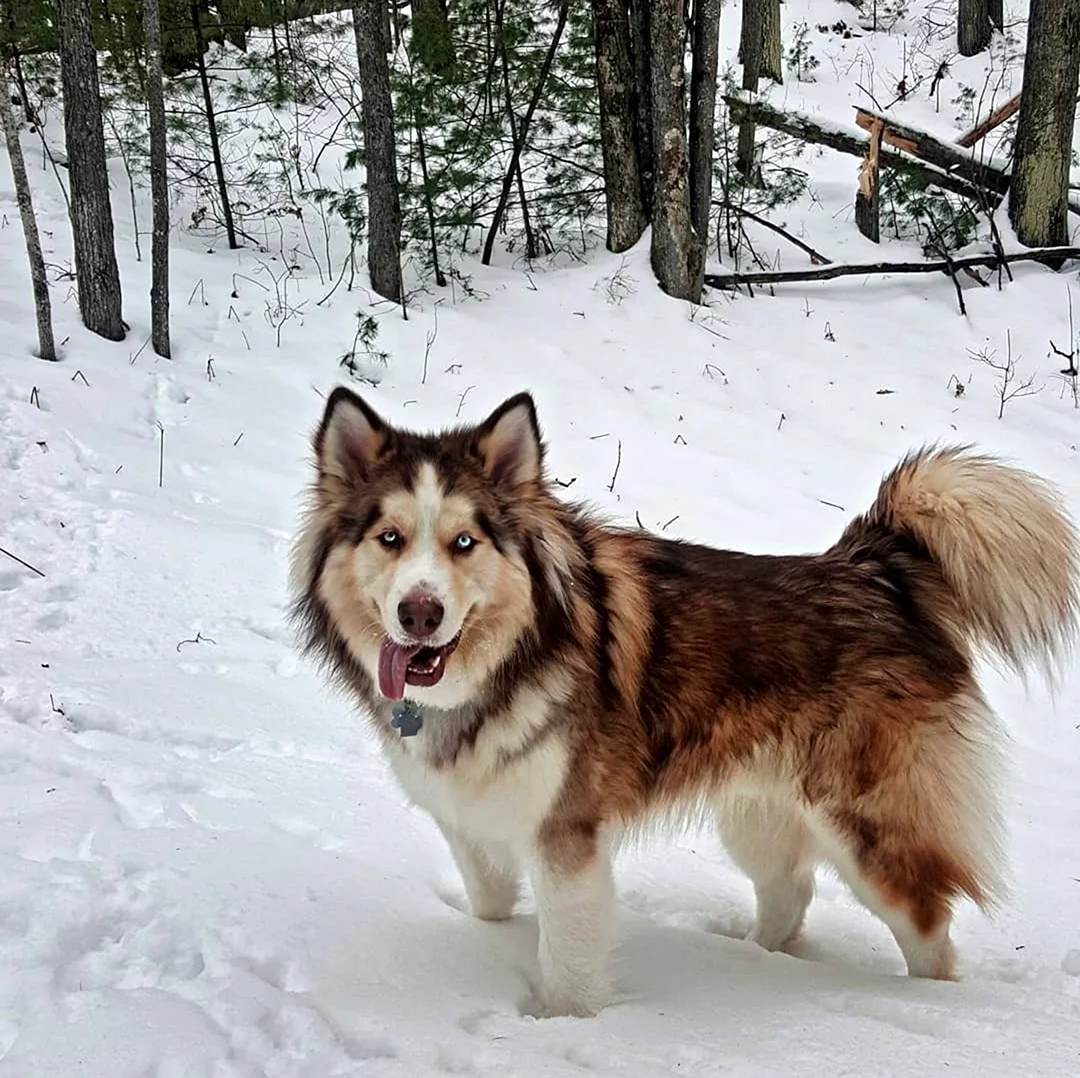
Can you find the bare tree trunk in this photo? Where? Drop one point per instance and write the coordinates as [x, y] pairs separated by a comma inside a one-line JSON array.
[[13, 50], [703, 112], [678, 256], [772, 47], [531, 250], [384, 204], [997, 13], [973, 27], [750, 52], [100, 298], [159, 180], [42, 305], [1038, 200], [626, 214], [211, 123], [640, 33], [523, 133]]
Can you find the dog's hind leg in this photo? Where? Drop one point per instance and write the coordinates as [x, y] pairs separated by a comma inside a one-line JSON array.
[[926, 831], [490, 873], [906, 886], [770, 842]]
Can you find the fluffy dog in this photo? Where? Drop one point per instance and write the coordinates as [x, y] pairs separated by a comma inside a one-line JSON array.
[[545, 684]]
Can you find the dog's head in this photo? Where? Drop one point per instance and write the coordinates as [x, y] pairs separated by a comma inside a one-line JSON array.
[[413, 548]]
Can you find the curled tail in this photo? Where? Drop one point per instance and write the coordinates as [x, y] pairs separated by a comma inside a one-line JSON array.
[[1003, 542]]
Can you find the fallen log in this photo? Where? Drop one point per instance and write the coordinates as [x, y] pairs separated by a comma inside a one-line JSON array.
[[801, 126], [924, 146], [1048, 255]]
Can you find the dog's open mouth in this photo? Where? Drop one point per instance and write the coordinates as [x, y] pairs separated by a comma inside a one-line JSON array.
[[412, 664]]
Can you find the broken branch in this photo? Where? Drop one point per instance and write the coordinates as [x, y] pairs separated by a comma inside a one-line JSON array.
[[828, 273]]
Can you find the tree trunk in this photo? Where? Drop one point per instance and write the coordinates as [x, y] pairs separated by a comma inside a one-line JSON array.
[[159, 181], [640, 34], [626, 214], [1038, 201], [211, 123], [997, 13], [531, 250], [523, 132], [703, 112], [96, 272], [42, 305], [973, 27], [384, 205], [772, 46], [677, 251], [13, 50], [751, 41]]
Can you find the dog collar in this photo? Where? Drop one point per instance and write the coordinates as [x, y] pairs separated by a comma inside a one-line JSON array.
[[407, 718]]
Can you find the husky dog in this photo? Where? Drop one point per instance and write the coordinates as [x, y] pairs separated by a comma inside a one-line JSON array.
[[546, 685]]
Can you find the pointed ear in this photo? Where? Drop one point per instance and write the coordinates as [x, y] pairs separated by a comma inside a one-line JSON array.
[[351, 436], [509, 443]]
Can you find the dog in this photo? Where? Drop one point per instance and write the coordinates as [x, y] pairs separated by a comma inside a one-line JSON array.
[[547, 686]]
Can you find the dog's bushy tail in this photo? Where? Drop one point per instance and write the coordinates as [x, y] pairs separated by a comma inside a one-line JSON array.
[[1003, 542]]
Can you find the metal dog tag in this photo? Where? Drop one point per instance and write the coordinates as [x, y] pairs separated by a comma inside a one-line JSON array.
[[407, 719]]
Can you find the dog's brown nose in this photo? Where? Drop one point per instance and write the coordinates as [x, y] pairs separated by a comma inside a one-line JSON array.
[[420, 615]]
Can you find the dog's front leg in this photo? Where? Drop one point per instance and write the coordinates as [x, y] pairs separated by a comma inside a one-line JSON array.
[[489, 871], [574, 890]]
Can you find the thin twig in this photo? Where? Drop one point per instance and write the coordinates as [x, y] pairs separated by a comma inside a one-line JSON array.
[[24, 564], [615, 474], [461, 401], [816, 257]]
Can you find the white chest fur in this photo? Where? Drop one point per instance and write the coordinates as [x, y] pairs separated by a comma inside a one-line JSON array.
[[487, 793]]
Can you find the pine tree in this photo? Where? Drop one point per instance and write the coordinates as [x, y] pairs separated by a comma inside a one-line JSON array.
[[42, 303], [1038, 200], [159, 181], [627, 215], [97, 275], [677, 253], [384, 206]]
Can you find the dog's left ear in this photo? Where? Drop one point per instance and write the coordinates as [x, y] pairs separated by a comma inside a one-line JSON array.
[[509, 443]]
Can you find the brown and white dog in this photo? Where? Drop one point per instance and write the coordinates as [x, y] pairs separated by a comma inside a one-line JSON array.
[[546, 685]]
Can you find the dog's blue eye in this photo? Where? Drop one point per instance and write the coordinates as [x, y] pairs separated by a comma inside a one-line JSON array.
[[390, 539], [464, 543]]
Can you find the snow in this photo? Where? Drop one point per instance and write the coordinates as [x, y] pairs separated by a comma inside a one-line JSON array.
[[205, 868]]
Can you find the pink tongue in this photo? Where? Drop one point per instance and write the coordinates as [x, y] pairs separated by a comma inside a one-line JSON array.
[[393, 664]]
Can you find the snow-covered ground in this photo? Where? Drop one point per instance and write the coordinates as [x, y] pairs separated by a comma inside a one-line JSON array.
[[205, 869]]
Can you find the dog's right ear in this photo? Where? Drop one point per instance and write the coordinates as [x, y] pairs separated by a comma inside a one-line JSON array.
[[350, 437]]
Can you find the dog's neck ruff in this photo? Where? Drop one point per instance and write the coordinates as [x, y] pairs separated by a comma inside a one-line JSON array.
[[407, 718]]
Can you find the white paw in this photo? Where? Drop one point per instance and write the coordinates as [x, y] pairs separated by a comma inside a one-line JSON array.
[[770, 938], [583, 1002]]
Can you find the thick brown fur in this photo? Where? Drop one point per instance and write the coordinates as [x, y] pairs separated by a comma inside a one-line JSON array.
[[818, 707]]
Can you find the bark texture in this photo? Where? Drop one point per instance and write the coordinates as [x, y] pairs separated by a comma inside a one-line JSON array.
[[42, 304], [772, 47], [1039, 198], [625, 196], [211, 124], [750, 53], [640, 23], [384, 204], [159, 182], [97, 275], [973, 27], [677, 252], [703, 112]]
